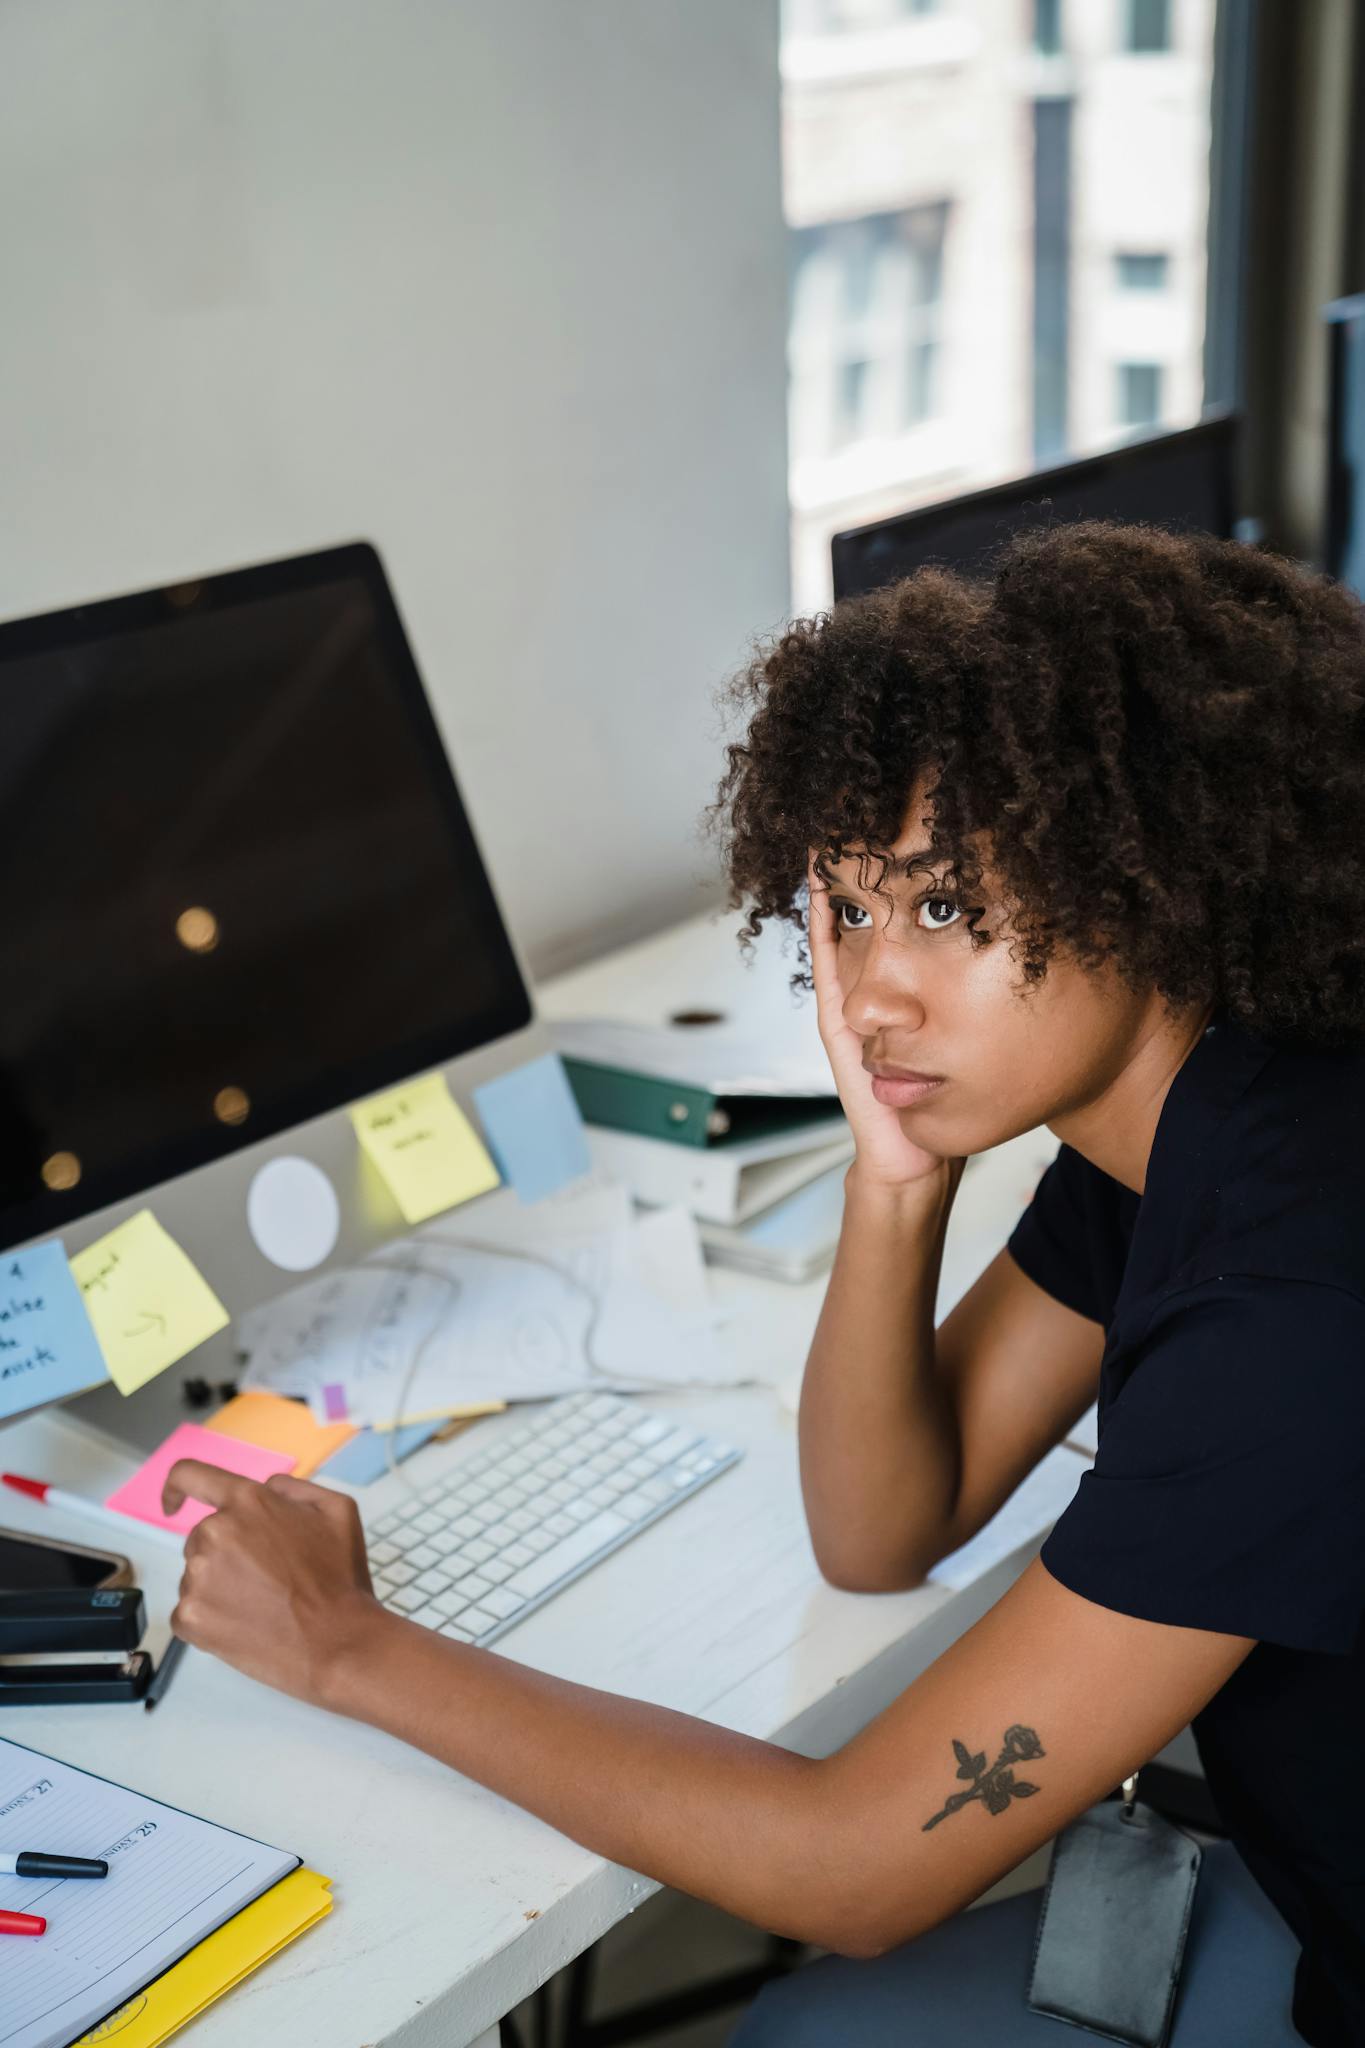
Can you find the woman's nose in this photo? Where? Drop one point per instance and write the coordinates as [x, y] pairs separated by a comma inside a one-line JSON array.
[[880, 994]]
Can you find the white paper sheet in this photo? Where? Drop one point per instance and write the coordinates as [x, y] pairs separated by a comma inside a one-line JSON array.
[[499, 1301], [1033, 1506], [172, 1879]]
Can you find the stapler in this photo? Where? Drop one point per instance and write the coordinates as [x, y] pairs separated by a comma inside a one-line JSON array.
[[60, 1648]]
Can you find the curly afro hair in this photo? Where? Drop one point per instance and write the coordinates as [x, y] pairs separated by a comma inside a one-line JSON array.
[[1156, 739]]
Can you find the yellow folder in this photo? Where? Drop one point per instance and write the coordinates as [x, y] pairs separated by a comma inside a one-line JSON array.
[[221, 1960]]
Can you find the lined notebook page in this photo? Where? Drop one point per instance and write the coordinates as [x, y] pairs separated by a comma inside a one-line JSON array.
[[172, 1879]]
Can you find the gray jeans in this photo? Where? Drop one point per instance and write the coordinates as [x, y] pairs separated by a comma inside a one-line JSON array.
[[964, 1983]]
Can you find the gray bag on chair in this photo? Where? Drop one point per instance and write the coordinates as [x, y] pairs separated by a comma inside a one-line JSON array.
[[1113, 1920]]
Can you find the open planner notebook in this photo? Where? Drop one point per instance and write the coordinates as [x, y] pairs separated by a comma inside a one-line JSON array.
[[172, 1880]]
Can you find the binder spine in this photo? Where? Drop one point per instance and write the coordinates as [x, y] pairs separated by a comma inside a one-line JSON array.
[[674, 1110]]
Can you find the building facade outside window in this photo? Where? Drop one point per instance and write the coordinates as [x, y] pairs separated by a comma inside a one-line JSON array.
[[997, 232]]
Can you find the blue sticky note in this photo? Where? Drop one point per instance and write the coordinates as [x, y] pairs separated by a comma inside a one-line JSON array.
[[533, 1127], [365, 1456], [48, 1348]]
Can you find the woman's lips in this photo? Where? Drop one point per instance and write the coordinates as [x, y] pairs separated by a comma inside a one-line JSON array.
[[900, 1094]]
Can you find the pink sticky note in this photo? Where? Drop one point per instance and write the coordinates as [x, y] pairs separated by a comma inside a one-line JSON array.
[[140, 1496]]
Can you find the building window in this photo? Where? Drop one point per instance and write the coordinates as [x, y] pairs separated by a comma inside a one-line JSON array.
[[865, 311], [1142, 272], [1147, 25], [1047, 27], [1139, 395]]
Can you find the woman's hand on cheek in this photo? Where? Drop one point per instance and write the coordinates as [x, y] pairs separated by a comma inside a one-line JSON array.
[[276, 1580]]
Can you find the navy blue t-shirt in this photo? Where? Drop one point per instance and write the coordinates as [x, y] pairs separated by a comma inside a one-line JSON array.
[[1228, 1490]]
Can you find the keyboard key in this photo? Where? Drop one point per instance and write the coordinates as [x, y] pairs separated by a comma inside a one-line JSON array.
[[518, 1553], [651, 1430], [450, 1602], [498, 1570], [399, 1574], [671, 1446], [455, 1632], [432, 1582], [478, 1621], [428, 1523], [521, 1519], [534, 1578], [422, 1556], [478, 1551], [407, 1599], [428, 1617], [384, 1553], [472, 1585], [635, 1506], [557, 1525], [502, 1603]]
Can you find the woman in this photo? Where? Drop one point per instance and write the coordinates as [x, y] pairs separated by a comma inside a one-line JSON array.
[[1114, 798]]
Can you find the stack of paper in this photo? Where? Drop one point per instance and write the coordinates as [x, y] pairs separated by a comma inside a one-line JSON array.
[[498, 1302], [174, 1908]]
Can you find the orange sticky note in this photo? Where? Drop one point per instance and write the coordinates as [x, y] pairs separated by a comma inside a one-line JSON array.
[[278, 1424]]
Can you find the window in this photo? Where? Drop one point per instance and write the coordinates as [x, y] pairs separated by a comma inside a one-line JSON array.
[[986, 216], [1142, 272], [864, 332], [1139, 399], [1047, 27], [1147, 25]]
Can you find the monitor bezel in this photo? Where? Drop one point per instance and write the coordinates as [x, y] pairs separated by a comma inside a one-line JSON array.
[[1219, 427]]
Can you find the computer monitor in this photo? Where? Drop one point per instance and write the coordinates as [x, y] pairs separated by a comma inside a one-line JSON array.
[[1344, 549], [1185, 480], [241, 892]]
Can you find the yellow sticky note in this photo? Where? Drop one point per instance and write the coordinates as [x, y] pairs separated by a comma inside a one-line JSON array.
[[148, 1303], [424, 1145], [274, 1423]]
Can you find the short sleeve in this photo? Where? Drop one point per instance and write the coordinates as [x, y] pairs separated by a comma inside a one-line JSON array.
[[1228, 1490], [1050, 1242]]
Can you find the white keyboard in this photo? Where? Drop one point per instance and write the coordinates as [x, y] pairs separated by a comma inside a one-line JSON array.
[[475, 1552]]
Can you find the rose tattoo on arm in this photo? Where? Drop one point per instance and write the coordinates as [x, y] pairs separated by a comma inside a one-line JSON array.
[[997, 1785]]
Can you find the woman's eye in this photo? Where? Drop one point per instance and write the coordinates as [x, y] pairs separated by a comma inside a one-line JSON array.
[[935, 903], [841, 907]]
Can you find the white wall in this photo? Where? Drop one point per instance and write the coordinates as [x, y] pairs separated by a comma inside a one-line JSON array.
[[498, 284]]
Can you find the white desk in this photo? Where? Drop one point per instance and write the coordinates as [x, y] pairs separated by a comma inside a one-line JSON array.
[[451, 1904]]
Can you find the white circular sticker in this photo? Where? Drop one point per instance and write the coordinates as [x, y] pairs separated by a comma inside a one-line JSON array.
[[293, 1214]]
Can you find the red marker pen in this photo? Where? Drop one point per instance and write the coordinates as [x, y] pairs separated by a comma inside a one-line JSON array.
[[22, 1923]]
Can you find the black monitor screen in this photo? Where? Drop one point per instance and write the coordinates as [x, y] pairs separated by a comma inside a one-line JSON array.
[[1184, 481], [240, 887]]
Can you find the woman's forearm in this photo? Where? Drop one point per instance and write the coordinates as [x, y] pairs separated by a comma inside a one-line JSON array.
[[880, 1447], [738, 1822]]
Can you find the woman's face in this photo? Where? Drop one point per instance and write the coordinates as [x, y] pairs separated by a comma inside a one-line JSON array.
[[920, 994]]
